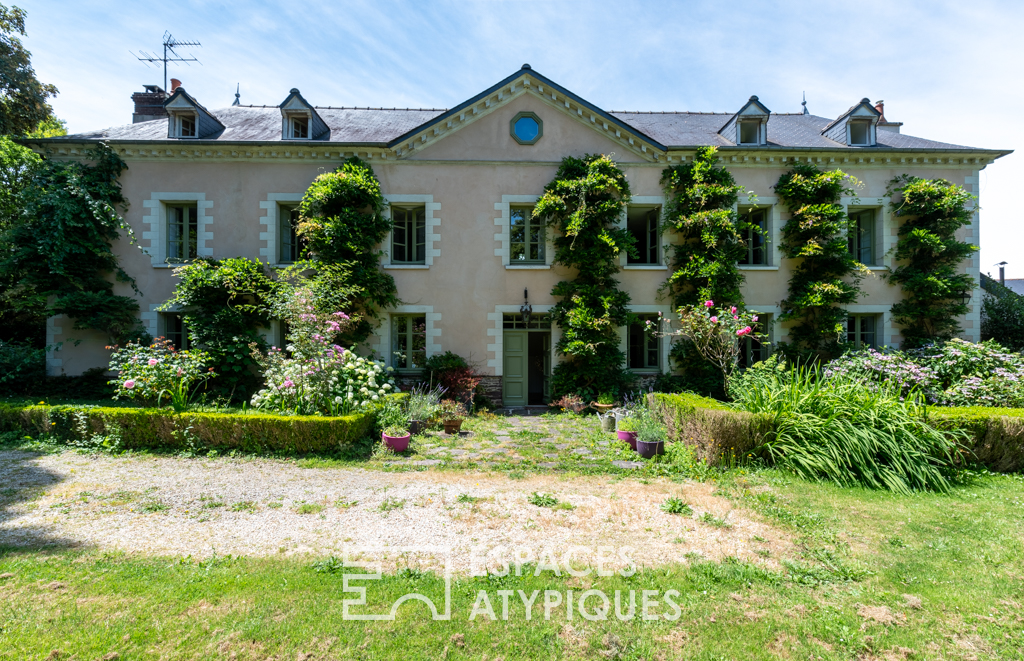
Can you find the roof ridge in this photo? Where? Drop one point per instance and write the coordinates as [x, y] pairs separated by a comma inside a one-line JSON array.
[[685, 112], [253, 105]]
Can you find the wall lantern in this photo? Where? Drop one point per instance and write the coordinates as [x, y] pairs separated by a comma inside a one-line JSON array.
[[965, 297], [527, 309]]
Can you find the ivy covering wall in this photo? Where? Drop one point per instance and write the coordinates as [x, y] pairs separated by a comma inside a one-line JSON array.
[[826, 276], [931, 257], [342, 222], [583, 204]]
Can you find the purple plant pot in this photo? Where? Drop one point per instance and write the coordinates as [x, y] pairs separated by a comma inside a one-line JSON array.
[[648, 450], [397, 443], [628, 436]]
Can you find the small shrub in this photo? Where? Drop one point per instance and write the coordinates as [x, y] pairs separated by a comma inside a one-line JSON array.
[[674, 505], [424, 402], [454, 374], [572, 403]]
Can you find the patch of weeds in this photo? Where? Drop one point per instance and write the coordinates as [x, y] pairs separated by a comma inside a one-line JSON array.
[[758, 538], [244, 506], [562, 505], [411, 573], [674, 505], [390, 503], [343, 504], [542, 500], [712, 520], [155, 506], [767, 504], [466, 498], [211, 503], [123, 497], [275, 505], [764, 553], [309, 508], [897, 542], [678, 540], [516, 475], [831, 569]]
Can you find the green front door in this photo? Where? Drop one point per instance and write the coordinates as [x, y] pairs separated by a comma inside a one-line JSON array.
[[515, 368]]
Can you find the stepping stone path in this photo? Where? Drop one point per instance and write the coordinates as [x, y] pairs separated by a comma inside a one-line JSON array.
[[427, 462], [628, 464], [582, 451]]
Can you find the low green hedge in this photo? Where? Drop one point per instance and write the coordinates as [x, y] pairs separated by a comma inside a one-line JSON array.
[[718, 433], [996, 434], [150, 428]]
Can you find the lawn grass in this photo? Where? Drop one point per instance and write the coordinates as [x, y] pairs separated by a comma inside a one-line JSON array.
[[874, 575]]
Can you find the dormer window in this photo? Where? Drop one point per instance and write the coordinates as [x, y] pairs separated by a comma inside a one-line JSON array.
[[299, 128], [186, 125], [860, 133], [749, 133]]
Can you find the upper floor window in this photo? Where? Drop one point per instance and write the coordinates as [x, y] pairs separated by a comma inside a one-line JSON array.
[[644, 224], [185, 126], [860, 133], [753, 349], [290, 242], [408, 341], [754, 236], [408, 235], [750, 133], [644, 345], [526, 128], [182, 231], [861, 236], [298, 128], [861, 331], [526, 237]]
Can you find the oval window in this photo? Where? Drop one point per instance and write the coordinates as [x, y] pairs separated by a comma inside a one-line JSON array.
[[526, 128]]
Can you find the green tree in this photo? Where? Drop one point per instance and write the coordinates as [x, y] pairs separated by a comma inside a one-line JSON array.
[[342, 222], [931, 257], [1002, 315], [826, 275], [584, 203], [23, 98]]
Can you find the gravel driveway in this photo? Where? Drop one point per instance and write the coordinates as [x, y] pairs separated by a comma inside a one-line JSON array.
[[257, 507]]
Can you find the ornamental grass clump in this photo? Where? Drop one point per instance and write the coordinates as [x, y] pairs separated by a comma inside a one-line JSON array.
[[839, 430], [314, 376], [157, 373]]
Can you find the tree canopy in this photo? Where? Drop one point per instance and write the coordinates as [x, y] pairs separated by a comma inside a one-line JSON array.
[[23, 98]]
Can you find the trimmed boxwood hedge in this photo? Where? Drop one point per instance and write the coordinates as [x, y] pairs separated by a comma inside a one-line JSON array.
[[996, 434], [718, 433], [151, 428]]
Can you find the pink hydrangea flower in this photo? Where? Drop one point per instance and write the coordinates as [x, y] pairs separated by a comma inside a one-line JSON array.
[[714, 320], [709, 304], [129, 384], [754, 318], [153, 361], [288, 383]]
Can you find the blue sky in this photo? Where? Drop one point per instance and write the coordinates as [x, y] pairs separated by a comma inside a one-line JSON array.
[[949, 70]]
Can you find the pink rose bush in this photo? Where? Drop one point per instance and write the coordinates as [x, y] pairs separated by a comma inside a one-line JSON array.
[[158, 373], [314, 376]]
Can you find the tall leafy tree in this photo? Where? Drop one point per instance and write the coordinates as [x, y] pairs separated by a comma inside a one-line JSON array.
[[23, 104]]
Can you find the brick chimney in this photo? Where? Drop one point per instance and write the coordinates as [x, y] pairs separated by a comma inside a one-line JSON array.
[[175, 84], [883, 123], [149, 105]]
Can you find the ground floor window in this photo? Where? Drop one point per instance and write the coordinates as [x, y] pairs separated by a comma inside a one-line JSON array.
[[644, 345], [408, 341], [862, 331], [516, 322], [754, 350], [175, 331]]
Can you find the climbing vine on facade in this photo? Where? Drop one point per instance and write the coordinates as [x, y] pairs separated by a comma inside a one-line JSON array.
[[826, 276], [59, 258], [700, 208], [342, 222], [583, 204], [930, 257]]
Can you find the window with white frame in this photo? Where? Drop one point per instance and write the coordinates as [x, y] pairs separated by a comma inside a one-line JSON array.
[[753, 349], [861, 236], [408, 341], [644, 345], [175, 330], [750, 133], [526, 236], [862, 331], [409, 235], [182, 231], [755, 235], [644, 223], [860, 133], [185, 125], [290, 244], [298, 127]]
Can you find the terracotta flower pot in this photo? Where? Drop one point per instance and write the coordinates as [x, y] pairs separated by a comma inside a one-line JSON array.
[[628, 436], [452, 426], [648, 449], [396, 443], [601, 408]]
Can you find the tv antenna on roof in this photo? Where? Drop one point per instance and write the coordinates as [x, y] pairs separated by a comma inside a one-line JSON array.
[[170, 55]]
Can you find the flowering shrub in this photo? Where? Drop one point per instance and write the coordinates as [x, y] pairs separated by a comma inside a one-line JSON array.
[[570, 402], [314, 376], [157, 371], [953, 373], [452, 410], [714, 332]]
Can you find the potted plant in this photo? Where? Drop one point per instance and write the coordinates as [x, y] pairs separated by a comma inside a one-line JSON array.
[[627, 430], [452, 414], [650, 434], [394, 424], [424, 403], [605, 401]]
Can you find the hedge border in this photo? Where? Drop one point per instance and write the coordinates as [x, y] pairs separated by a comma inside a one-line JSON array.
[[996, 435], [719, 434], [161, 429]]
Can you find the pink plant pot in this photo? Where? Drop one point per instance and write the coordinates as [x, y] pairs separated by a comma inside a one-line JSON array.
[[628, 436], [397, 443]]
